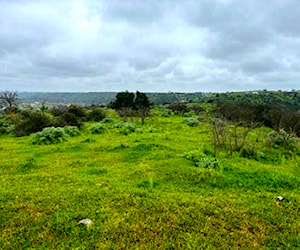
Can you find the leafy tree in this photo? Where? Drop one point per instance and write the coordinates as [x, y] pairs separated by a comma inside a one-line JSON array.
[[142, 105], [124, 100], [124, 104], [130, 104]]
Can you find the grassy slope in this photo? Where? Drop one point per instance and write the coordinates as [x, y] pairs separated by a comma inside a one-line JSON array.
[[141, 193]]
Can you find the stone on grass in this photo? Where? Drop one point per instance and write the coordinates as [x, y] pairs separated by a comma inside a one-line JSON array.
[[86, 222], [280, 198]]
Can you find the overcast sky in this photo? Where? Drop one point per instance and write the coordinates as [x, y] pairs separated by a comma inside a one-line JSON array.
[[165, 45]]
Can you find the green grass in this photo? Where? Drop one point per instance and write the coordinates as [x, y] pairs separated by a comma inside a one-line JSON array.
[[141, 193]]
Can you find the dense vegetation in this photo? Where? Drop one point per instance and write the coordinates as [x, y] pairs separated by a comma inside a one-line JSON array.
[[220, 173]]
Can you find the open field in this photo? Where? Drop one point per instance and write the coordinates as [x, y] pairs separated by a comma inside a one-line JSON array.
[[141, 193]]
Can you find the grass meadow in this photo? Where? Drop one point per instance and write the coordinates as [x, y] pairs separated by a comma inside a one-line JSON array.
[[141, 193]]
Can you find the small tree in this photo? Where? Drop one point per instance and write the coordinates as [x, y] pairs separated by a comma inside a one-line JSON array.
[[124, 103], [142, 105], [9, 98], [130, 104], [43, 103]]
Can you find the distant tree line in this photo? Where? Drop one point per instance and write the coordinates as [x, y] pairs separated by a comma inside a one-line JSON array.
[[256, 115]]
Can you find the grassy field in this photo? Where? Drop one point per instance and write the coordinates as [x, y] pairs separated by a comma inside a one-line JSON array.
[[141, 193]]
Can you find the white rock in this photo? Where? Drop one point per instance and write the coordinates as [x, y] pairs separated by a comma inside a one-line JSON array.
[[86, 222], [280, 198]]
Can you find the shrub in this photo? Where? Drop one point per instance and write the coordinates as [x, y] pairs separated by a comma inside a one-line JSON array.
[[192, 121], [163, 111], [268, 156], [166, 113], [202, 160], [208, 162], [59, 110], [77, 111], [178, 108], [68, 119], [98, 129], [197, 109], [96, 115], [139, 130], [50, 135], [71, 131], [68, 116], [107, 120], [6, 126], [30, 122], [282, 140], [248, 153], [194, 155], [260, 155], [126, 128]]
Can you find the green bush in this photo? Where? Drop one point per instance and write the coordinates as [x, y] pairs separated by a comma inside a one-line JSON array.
[[192, 121], [126, 128], [107, 120], [50, 135], [6, 126], [98, 129], [68, 119], [139, 130], [96, 115], [202, 160], [208, 162], [194, 155], [71, 131], [78, 111], [248, 153], [283, 140], [30, 122], [266, 155]]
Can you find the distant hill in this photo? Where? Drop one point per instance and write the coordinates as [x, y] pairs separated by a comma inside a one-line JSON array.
[[101, 97], [64, 97], [289, 100]]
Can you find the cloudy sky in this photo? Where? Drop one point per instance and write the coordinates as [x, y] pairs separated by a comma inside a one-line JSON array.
[[165, 45]]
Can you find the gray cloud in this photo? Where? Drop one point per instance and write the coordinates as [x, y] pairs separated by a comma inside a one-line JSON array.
[[209, 45]]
